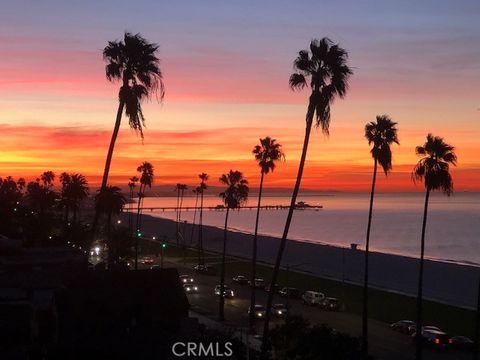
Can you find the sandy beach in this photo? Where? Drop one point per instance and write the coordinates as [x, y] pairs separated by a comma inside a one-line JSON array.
[[444, 282]]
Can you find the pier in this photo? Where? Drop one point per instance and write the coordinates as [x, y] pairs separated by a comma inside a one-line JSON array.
[[221, 208]]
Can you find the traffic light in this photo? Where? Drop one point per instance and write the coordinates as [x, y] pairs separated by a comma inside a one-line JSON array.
[[139, 233], [164, 245]]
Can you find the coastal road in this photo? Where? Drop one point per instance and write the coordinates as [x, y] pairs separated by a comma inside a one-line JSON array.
[[384, 342]]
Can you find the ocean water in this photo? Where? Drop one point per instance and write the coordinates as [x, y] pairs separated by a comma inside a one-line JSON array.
[[453, 227]]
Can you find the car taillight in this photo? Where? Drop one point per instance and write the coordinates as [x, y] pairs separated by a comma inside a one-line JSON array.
[[437, 341], [450, 341]]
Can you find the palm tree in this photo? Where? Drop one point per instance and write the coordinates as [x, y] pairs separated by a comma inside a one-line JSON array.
[[182, 189], [77, 190], [233, 197], [65, 201], [381, 134], [433, 170], [134, 62], [325, 65], [132, 183], [266, 154], [202, 187], [109, 202], [146, 179], [196, 191]]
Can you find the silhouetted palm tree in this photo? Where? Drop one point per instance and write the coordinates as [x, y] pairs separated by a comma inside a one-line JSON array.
[[233, 197], [433, 169], [131, 185], [47, 178], [65, 201], [146, 179], [109, 202], [134, 62], [77, 190], [182, 189], [196, 191], [266, 154], [202, 187], [381, 134], [325, 65]]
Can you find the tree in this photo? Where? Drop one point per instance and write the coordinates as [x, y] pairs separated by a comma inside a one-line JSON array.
[[202, 187], [196, 191], [233, 197], [266, 154], [180, 189], [434, 170], [131, 186], [134, 62], [146, 179], [74, 190], [10, 199], [381, 134], [326, 67], [109, 202]]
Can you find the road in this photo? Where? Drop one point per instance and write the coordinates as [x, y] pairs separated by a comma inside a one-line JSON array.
[[384, 343]]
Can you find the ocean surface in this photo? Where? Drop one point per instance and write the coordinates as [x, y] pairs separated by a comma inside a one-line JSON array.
[[453, 227]]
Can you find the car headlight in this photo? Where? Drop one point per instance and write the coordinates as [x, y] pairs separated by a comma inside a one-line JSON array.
[[231, 293], [195, 288], [280, 312], [188, 289], [259, 314]]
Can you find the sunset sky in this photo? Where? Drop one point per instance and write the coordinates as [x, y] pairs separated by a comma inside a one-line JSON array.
[[226, 66]]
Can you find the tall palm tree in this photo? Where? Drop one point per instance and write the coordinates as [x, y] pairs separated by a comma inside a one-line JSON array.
[[233, 197], [182, 189], [146, 179], [381, 134], [134, 62], [325, 69], [109, 202], [196, 191], [132, 183], [202, 187], [434, 170], [65, 201], [267, 153], [77, 190]]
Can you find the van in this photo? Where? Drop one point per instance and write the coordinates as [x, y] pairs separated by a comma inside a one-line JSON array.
[[313, 298]]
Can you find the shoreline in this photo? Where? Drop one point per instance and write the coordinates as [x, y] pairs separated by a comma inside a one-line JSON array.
[[446, 282]]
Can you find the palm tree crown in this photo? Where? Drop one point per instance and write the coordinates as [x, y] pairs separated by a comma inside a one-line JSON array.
[[433, 167], [134, 62], [110, 200], [237, 189], [146, 170], [382, 134], [132, 183], [325, 66], [267, 153]]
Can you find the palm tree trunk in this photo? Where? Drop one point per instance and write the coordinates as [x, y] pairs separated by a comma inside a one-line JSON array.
[[137, 226], [108, 161], [130, 215], [309, 121], [221, 313], [201, 258], [251, 317], [177, 226], [365, 276], [193, 222], [418, 348]]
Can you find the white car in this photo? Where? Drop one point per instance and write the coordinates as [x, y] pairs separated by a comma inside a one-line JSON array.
[[313, 298], [226, 291]]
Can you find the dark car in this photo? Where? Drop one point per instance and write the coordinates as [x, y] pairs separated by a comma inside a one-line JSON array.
[[186, 279], [259, 311], [290, 292], [330, 303], [227, 293], [205, 269], [240, 280], [275, 287], [279, 310], [258, 284], [402, 326], [434, 338], [147, 260], [461, 343]]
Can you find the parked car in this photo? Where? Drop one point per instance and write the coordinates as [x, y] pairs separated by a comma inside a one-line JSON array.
[[147, 260], [190, 288], [240, 280], [186, 279], [275, 287], [313, 298], [330, 303], [290, 292], [434, 338], [279, 310], [259, 311], [412, 329], [461, 343], [259, 283], [402, 326], [226, 291], [205, 269], [155, 267]]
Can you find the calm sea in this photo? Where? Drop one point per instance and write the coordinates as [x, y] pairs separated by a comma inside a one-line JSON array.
[[453, 228]]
